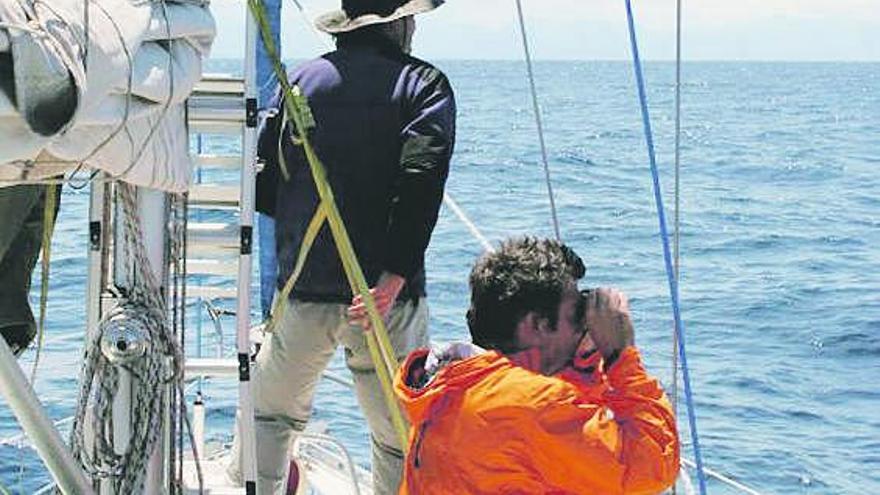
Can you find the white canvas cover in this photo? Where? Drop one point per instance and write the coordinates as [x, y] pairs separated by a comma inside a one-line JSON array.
[[100, 81]]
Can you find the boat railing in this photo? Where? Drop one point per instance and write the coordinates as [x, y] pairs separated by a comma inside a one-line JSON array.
[[311, 447]]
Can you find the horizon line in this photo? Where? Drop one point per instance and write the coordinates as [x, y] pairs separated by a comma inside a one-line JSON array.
[[625, 60]]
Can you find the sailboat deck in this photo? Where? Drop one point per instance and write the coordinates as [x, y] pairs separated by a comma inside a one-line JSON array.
[[214, 476]]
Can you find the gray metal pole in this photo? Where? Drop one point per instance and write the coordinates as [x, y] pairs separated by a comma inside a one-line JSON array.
[[98, 253], [38, 427], [153, 212], [243, 323]]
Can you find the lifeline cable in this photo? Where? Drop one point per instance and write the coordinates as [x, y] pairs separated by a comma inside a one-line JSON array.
[[667, 257]]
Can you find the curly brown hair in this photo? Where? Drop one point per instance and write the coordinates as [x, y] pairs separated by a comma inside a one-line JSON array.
[[525, 275]]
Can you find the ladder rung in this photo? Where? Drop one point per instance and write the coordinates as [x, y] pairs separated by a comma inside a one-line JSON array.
[[211, 267], [209, 195], [203, 246], [210, 293], [212, 239], [211, 227], [213, 84], [216, 106], [222, 109], [210, 367], [219, 161], [214, 127]]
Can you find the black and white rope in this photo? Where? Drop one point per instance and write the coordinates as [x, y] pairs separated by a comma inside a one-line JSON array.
[[162, 363]]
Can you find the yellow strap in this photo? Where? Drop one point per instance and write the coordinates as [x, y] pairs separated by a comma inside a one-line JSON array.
[[48, 226], [282, 163], [280, 304], [385, 368], [300, 115]]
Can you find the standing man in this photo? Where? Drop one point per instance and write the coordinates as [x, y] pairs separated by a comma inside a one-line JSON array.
[[385, 130], [560, 402]]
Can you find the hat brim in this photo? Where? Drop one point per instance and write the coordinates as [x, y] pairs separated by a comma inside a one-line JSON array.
[[337, 21]]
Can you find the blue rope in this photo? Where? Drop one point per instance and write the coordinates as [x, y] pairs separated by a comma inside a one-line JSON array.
[[670, 273]]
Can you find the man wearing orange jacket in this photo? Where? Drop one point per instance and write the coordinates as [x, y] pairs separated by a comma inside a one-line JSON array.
[[558, 403]]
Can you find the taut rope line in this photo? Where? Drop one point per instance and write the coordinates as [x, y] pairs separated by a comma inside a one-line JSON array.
[[667, 256], [538, 123]]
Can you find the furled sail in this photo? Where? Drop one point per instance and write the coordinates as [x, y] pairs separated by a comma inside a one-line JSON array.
[[101, 83]]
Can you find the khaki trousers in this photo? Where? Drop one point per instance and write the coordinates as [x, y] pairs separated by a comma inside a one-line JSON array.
[[288, 368]]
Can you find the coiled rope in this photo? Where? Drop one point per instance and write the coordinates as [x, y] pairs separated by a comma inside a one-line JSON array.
[[667, 256], [162, 363]]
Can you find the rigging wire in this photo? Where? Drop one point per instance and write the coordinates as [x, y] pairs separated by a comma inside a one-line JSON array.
[[307, 20], [453, 205], [86, 26], [177, 233], [676, 240], [667, 257], [538, 123], [724, 479]]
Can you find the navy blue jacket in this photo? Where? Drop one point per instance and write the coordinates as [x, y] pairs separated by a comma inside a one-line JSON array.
[[385, 131]]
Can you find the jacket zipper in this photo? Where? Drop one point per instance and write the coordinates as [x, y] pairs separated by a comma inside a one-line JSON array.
[[417, 448]]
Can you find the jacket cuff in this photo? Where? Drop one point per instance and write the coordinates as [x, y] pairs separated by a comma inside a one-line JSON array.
[[627, 366], [399, 263]]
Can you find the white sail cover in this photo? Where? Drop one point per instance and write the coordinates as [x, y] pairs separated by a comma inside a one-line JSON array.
[[102, 82]]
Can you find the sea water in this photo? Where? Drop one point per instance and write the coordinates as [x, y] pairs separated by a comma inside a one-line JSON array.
[[779, 234]]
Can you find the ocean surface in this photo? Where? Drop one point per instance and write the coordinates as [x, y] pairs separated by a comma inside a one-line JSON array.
[[780, 264]]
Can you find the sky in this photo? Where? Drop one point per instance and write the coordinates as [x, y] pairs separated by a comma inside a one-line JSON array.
[[789, 30]]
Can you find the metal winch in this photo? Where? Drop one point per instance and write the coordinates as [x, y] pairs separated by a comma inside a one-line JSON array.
[[125, 334]]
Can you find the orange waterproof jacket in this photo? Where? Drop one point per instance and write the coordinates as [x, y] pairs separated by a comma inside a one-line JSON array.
[[489, 425]]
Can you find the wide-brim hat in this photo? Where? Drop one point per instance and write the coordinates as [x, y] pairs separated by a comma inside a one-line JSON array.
[[359, 13]]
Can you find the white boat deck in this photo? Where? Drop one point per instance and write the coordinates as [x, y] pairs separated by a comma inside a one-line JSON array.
[[324, 465], [214, 476]]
